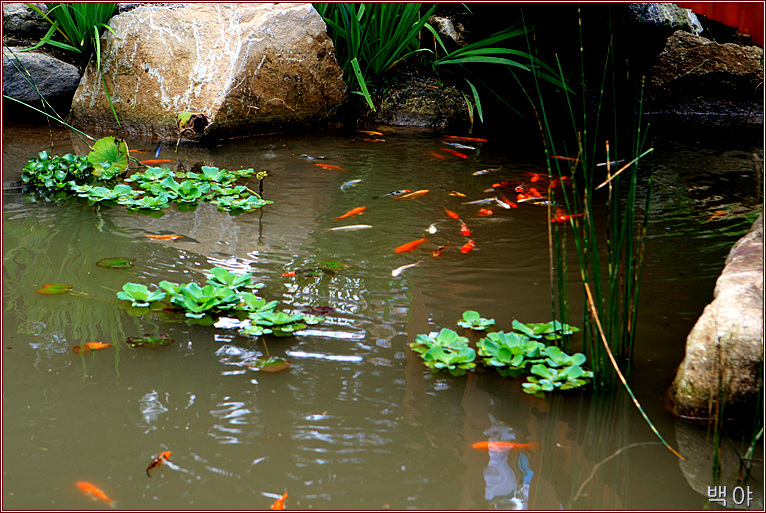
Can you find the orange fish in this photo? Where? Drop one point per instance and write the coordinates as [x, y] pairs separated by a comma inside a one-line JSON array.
[[565, 158], [564, 218], [156, 161], [507, 184], [438, 155], [330, 166], [370, 132], [352, 212], [438, 251], [484, 212], [464, 229], [452, 214], [163, 237], [503, 446], [535, 177], [156, 462], [94, 492], [563, 180], [289, 273], [468, 246], [534, 192], [415, 194], [279, 504], [410, 245], [139, 151], [90, 346], [475, 139], [508, 202], [455, 153]]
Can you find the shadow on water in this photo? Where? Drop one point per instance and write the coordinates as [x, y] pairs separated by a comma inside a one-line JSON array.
[[357, 422]]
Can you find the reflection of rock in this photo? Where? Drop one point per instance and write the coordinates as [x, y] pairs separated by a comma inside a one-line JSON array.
[[250, 68], [725, 347], [696, 445]]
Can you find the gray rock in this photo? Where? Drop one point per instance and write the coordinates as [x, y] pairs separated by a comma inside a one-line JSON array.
[[667, 16], [249, 68], [21, 21], [725, 347], [422, 102], [55, 79]]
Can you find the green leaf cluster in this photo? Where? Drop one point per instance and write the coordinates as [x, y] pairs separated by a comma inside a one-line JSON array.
[[472, 320], [445, 350], [55, 172]]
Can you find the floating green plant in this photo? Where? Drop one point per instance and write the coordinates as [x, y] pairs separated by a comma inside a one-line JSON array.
[[55, 172], [50, 289], [445, 350], [108, 158], [472, 320], [553, 330], [115, 263], [151, 341], [139, 295], [268, 364]]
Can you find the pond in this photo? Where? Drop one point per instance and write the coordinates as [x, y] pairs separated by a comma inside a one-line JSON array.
[[357, 421]]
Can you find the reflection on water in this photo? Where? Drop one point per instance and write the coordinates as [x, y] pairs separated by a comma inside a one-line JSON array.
[[356, 422]]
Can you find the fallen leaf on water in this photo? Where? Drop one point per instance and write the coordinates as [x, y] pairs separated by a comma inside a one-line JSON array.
[[115, 263], [54, 288], [271, 364]]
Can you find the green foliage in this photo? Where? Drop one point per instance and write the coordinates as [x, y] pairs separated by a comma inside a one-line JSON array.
[[553, 330], [472, 320], [445, 350], [108, 157], [225, 278], [151, 341], [56, 172], [139, 295]]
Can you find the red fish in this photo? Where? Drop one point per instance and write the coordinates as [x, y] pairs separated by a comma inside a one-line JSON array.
[[464, 229], [562, 218], [468, 246], [503, 446], [535, 177], [330, 166], [455, 153], [506, 185], [94, 492], [484, 212], [438, 155], [474, 139], [508, 202], [564, 180], [438, 251], [352, 212], [452, 214], [279, 504], [534, 192], [90, 346], [289, 273], [163, 237], [410, 245], [156, 161], [415, 194], [156, 462]]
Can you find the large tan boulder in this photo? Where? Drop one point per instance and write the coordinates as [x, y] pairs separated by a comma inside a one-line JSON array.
[[249, 68], [724, 351]]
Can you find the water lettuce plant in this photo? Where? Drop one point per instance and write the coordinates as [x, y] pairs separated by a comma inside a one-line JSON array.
[[472, 320], [55, 172], [139, 295], [445, 350]]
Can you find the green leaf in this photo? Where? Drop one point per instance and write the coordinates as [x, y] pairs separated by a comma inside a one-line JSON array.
[[50, 289], [109, 157], [115, 263]]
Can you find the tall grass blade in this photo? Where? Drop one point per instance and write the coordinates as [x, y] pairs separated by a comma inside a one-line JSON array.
[[362, 83]]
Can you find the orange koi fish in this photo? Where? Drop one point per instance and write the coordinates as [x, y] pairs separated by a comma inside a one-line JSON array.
[[468, 246], [330, 166], [507, 184], [452, 214], [534, 192], [395, 194], [91, 490], [438, 155], [279, 504], [139, 151], [415, 194], [438, 251], [474, 139], [464, 229], [455, 153], [562, 218], [156, 161], [484, 212], [453, 193], [156, 462], [410, 245], [163, 237], [289, 273], [503, 446], [508, 202], [535, 177], [563, 180], [352, 212], [370, 132], [90, 346]]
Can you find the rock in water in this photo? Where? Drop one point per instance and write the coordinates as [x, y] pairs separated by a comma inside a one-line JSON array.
[[249, 68], [55, 79]]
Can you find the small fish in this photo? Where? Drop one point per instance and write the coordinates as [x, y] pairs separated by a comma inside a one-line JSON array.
[[289, 273], [415, 194], [474, 139], [370, 132], [523, 198], [163, 237], [279, 504], [468, 246], [479, 202], [94, 492], [395, 194], [330, 166], [156, 161], [485, 171], [502, 204], [398, 270], [410, 245], [455, 153], [348, 184], [156, 462], [507, 184], [464, 229], [452, 214], [611, 163], [508, 202], [439, 155], [461, 146], [563, 180], [484, 212], [352, 212], [558, 157], [351, 227], [438, 251], [159, 149], [432, 228], [139, 151], [503, 446], [563, 218], [535, 177], [309, 157], [90, 346], [452, 193]]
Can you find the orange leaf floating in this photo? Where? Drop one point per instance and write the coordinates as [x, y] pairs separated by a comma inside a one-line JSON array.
[[410, 245], [156, 462], [415, 194], [156, 161], [468, 246], [474, 139], [330, 166], [94, 492], [352, 212], [452, 214], [49, 289], [279, 504], [455, 153], [163, 237], [503, 446], [484, 212]]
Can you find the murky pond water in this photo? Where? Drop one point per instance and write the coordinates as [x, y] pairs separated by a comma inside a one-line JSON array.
[[357, 422]]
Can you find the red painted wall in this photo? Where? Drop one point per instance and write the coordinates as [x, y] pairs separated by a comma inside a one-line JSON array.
[[747, 17]]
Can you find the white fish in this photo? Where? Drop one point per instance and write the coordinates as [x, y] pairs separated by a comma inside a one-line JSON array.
[[432, 228], [611, 163], [485, 171], [351, 227], [502, 204], [533, 198], [348, 184], [479, 202], [461, 146], [398, 270]]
